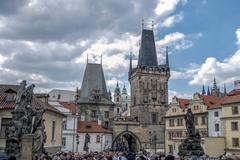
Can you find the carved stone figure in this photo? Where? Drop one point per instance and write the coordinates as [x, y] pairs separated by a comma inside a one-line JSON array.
[[189, 119], [87, 140], [21, 124], [191, 146]]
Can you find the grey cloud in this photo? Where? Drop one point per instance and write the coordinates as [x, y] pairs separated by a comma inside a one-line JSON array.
[[9, 7], [69, 20]]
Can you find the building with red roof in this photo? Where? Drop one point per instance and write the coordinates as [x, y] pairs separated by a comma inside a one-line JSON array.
[[53, 117], [175, 130], [100, 138]]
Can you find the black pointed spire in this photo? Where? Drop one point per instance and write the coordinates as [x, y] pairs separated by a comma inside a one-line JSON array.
[[147, 52], [124, 90], [225, 90], [208, 91], [110, 95], [130, 63], [167, 61], [117, 90], [203, 90]]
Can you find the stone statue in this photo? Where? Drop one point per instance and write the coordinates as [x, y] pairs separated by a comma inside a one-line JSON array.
[[87, 140], [189, 119], [191, 146], [21, 124]]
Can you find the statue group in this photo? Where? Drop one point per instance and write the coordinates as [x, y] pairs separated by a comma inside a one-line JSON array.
[[191, 146], [26, 119]]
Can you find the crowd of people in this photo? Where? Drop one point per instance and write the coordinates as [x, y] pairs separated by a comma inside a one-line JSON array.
[[106, 155]]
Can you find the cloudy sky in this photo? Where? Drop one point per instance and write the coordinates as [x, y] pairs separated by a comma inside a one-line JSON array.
[[47, 41]]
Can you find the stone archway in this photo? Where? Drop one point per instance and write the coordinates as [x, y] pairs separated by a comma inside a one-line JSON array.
[[126, 141]]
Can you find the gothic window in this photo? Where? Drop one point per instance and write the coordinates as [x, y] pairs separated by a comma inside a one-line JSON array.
[[134, 100], [117, 99], [154, 118], [154, 95]]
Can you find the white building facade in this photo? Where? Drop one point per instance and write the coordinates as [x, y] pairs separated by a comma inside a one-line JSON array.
[[62, 95], [214, 122], [100, 138], [69, 129]]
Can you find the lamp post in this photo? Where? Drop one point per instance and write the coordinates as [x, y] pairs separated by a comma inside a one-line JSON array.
[[153, 140]]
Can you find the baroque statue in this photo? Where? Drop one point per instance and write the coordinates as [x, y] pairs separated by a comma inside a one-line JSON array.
[[191, 146], [87, 140], [21, 123]]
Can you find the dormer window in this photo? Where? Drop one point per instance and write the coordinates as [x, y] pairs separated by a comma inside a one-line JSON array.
[[88, 126], [10, 97]]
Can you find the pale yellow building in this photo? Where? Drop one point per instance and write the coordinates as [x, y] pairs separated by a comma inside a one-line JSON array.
[[175, 130], [53, 118], [231, 121]]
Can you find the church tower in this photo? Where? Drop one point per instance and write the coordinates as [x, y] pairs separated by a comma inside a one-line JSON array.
[[117, 94], [149, 81]]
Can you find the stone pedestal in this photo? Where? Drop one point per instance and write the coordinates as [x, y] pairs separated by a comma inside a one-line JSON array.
[[27, 147]]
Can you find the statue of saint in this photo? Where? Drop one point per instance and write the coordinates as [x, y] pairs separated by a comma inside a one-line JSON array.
[[87, 140], [189, 119]]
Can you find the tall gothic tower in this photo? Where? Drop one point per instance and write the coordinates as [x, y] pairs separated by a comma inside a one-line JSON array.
[[149, 99], [149, 81]]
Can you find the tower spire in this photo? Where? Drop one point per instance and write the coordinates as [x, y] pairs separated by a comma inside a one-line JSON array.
[[208, 91], [167, 61], [203, 90], [87, 58], [142, 23], [130, 62], [225, 90], [101, 59]]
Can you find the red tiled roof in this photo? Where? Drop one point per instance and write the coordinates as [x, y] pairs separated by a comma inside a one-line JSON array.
[[69, 105], [211, 101], [90, 127], [231, 99], [183, 102], [36, 103], [234, 92]]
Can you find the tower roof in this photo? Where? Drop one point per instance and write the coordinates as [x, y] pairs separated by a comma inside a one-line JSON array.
[[93, 78], [147, 52]]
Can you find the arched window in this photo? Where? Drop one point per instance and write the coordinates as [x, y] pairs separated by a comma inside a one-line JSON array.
[[98, 139]]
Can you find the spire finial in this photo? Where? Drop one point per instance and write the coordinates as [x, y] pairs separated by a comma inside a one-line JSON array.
[[208, 91], [225, 90], [142, 23], [167, 61], [130, 63], [203, 90], [87, 58], [152, 25]]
